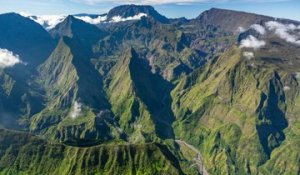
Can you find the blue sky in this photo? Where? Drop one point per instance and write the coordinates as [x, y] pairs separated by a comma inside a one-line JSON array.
[[170, 8]]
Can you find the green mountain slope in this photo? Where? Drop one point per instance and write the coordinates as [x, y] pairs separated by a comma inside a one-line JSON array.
[[23, 153], [238, 106], [68, 79], [142, 107]]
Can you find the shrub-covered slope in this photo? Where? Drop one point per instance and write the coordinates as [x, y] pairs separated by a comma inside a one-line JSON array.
[[141, 105], [239, 106], [22, 153]]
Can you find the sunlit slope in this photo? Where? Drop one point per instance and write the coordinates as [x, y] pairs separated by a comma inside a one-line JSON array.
[[238, 106]]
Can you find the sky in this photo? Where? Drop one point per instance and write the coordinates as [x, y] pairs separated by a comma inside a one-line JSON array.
[[171, 8]]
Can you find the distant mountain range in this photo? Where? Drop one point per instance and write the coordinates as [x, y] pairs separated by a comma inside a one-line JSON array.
[[133, 92], [118, 14]]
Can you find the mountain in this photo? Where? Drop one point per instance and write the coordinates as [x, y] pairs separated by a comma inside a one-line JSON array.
[[230, 20], [233, 21], [68, 77], [147, 158], [240, 104], [143, 94], [115, 15], [31, 44], [126, 11], [73, 27], [50, 21], [28, 40], [129, 84]]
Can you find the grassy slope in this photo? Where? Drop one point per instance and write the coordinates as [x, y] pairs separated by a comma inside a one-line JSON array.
[[22, 153], [58, 76], [238, 109], [132, 113], [67, 76]]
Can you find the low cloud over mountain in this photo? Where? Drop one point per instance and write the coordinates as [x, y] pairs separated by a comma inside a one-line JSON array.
[[288, 32], [252, 42], [8, 58], [76, 110], [50, 21]]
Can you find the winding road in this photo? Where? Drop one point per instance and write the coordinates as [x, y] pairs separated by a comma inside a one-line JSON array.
[[198, 160]]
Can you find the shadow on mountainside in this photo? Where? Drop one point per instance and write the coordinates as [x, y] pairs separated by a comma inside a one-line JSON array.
[[154, 91]]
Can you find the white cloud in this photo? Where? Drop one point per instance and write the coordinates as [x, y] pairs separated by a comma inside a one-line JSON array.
[[115, 19], [297, 75], [284, 31], [25, 14], [252, 42], [135, 17], [76, 109], [90, 20], [286, 88], [8, 58], [260, 29], [47, 21], [50, 21], [248, 55], [241, 29]]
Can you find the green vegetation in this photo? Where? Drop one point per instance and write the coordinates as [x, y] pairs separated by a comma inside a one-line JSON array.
[[238, 109], [151, 96], [25, 154]]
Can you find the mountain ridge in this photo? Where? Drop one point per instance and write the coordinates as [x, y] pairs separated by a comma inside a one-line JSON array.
[[132, 10], [125, 11], [148, 96]]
